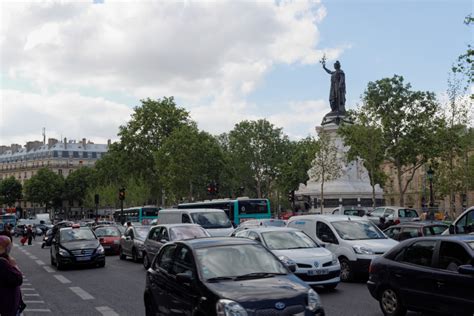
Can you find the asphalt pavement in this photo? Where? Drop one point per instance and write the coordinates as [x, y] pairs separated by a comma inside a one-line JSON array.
[[117, 289]]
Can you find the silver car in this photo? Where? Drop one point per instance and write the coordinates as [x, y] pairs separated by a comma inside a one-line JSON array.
[[161, 234], [132, 242], [395, 213]]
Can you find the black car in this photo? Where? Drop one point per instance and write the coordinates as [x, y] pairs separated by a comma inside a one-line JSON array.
[[76, 245], [408, 230], [225, 276], [429, 274]]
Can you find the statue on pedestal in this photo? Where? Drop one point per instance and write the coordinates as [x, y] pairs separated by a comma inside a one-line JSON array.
[[337, 93]]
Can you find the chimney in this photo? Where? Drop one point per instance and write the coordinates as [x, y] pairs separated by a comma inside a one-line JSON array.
[[84, 143], [52, 142], [65, 143], [108, 142]]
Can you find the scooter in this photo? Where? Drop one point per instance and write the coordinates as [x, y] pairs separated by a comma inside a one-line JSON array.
[[47, 239]]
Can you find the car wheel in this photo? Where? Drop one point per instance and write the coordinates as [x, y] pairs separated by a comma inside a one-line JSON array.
[[42, 245], [52, 260], [134, 255], [122, 256], [150, 308], [102, 264], [59, 265], [347, 274], [330, 286], [391, 304], [146, 261]]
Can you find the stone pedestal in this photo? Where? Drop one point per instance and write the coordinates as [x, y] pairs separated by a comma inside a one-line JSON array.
[[352, 188]]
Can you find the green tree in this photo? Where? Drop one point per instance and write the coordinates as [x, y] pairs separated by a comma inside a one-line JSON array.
[[408, 121], [257, 149], [10, 191], [188, 160], [45, 188], [77, 184], [465, 63], [326, 165], [365, 142]]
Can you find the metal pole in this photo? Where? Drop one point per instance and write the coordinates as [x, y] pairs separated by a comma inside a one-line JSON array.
[[122, 220], [431, 193]]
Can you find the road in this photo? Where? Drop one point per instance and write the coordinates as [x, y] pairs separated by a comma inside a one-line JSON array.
[[118, 288]]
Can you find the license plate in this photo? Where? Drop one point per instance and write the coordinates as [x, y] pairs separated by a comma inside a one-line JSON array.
[[318, 272], [87, 258]]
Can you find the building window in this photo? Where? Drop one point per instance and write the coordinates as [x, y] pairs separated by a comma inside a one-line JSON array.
[[60, 172], [55, 153], [75, 154], [85, 154], [94, 155], [25, 175], [65, 154]]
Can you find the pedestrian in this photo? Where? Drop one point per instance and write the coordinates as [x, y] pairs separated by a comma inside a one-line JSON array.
[[129, 224], [29, 234], [11, 279], [6, 231]]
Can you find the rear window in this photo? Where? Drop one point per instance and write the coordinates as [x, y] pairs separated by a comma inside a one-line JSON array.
[[405, 212]]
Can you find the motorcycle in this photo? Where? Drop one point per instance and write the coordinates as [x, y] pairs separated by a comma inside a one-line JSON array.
[[47, 239]]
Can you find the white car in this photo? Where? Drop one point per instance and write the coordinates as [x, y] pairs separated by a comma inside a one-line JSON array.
[[256, 223], [354, 240], [314, 264]]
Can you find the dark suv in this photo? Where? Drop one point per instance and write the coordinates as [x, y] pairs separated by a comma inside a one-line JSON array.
[[76, 246], [430, 274]]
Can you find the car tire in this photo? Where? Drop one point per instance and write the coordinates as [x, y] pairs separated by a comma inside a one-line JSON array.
[[390, 303], [122, 256], [52, 261], [42, 245], [101, 265], [59, 265], [135, 255], [347, 274], [330, 287], [150, 307], [146, 261]]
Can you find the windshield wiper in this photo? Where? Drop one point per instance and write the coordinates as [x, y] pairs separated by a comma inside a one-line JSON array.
[[258, 275], [300, 247], [221, 278]]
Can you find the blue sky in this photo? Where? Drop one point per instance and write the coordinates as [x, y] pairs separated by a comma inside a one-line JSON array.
[[79, 68]]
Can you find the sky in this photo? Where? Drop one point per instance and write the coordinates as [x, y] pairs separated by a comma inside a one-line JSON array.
[[78, 68]]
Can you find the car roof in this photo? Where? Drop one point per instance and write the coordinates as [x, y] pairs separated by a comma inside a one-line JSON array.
[[420, 224], [271, 229], [177, 225], [71, 228], [461, 238], [191, 210], [400, 207], [329, 218], [215, 242]]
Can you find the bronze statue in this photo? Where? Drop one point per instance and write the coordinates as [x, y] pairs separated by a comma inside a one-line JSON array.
[[337, 94]]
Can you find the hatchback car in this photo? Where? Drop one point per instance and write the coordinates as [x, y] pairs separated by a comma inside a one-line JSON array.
[[254, 223], [354, 240], [314, 264], [415, 229], [109, 238], [224, 276], [76, 246], [429, 274], [132, 242], [396, 214], [161, 234]]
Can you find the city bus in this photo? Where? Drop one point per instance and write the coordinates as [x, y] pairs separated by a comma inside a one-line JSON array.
[[238, 210], [137, 214], [8, 219]]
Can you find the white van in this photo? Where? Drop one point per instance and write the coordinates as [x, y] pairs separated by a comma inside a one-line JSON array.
[[464, 224], [354, 240], [214, 221]]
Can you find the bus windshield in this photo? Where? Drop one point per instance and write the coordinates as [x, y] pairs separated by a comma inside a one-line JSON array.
[[253, 206], [211, 219]]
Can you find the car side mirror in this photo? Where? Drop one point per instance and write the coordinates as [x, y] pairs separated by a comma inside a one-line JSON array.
[[185, 277], [452, 229], [292, 267], [466, 269], [325, 238]]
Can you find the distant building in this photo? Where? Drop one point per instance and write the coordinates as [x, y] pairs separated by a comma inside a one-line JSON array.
[[23, 162]]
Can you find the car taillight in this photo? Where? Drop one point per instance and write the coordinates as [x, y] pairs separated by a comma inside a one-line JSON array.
[[397, 221], [371, 268]]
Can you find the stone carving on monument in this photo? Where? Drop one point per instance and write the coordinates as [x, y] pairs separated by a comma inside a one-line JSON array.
[[353, 184]]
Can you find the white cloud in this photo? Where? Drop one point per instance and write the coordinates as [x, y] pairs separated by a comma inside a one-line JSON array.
[[211, 55], [62, 114]]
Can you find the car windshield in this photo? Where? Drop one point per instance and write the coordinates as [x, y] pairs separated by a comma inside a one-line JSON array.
[[237, 260], [187, 232], [142, 231], [211, 219], [405, 212], [107, 232], [357, 230], [274, 223], [76, 234], [279, 240]]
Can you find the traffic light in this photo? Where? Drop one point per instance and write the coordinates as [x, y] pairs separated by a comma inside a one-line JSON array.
[[213, 188], [96, 199], [291, 196], [122, 194]]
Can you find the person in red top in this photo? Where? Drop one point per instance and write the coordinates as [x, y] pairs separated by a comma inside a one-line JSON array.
[[10, 280]]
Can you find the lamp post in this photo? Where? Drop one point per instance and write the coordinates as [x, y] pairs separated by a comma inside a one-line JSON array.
[[430, 174]]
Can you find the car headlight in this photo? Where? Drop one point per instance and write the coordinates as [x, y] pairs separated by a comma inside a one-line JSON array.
[[286, 261], [63, 252], [229, 308], [363, 250], [314, 303], [334, 261], [100, 250]]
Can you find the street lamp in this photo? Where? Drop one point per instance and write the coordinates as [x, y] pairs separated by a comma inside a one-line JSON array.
[[430, 174]]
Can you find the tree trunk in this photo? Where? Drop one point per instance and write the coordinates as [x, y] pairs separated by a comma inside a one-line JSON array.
[[322, 194], [190, 195], [401, 199]]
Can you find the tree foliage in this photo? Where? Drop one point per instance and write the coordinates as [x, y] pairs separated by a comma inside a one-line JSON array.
[[408, 121], [78, 183], [45, 188], [10, 191]]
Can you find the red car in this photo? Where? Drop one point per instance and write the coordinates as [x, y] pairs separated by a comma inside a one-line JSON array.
[[109, 238]]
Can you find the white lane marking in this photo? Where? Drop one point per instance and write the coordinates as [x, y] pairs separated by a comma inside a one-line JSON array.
[[41, 263], [33, 257], [27, 289], [37, 310], [61, 279], [33, 302], [26, 294], [25, 284], [48, 269], [106, 311], [81, 293]]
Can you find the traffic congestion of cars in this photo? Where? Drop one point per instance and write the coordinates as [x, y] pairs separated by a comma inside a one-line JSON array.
[[272, 266]]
